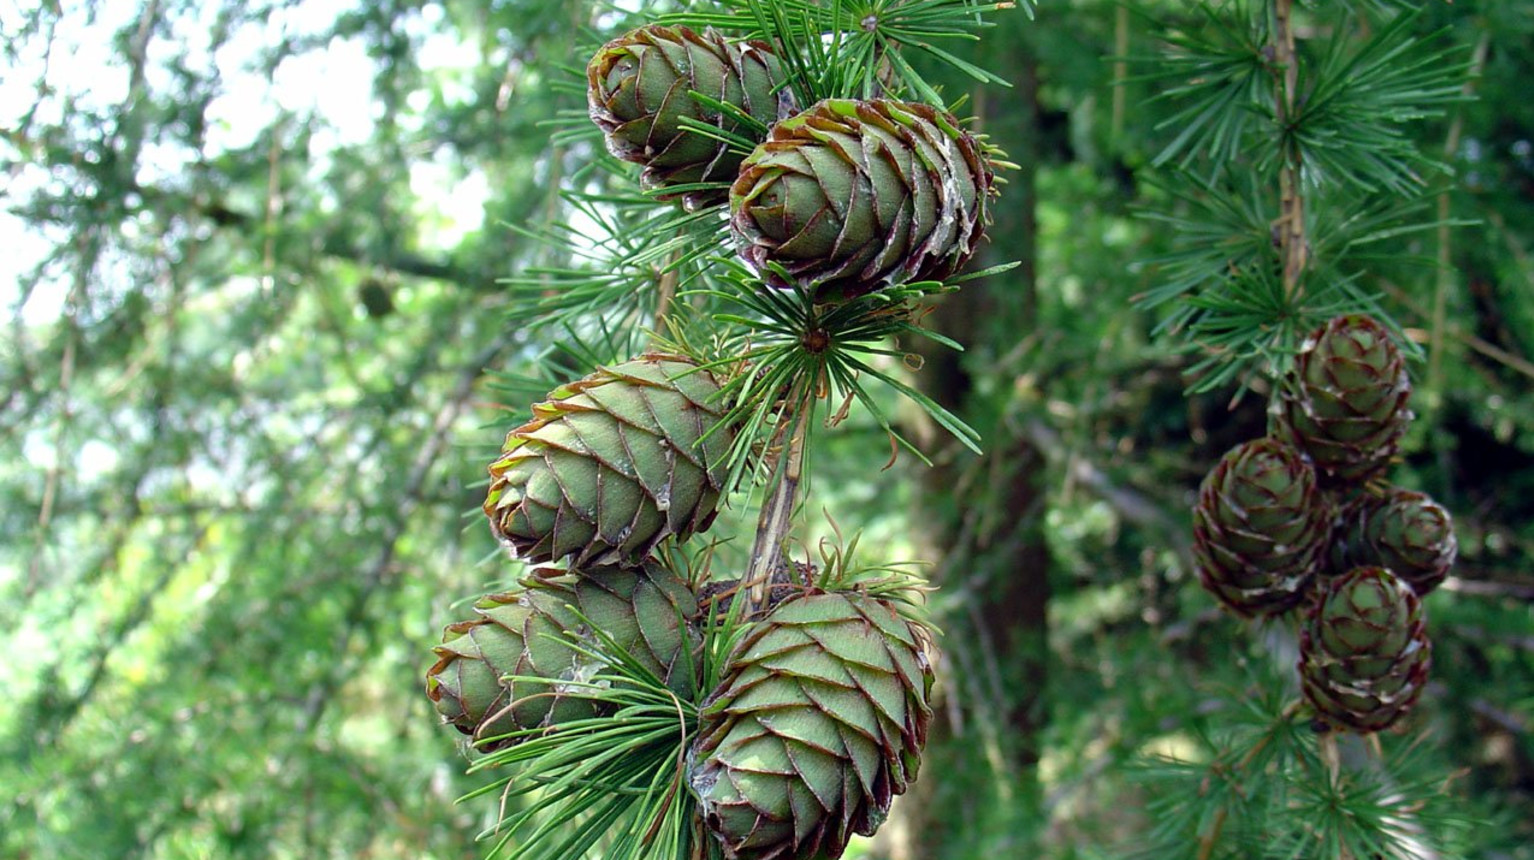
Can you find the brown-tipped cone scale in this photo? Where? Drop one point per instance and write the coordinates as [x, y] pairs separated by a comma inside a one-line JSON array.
[[818, 723], [1364, 651], [611, 465], [546, 630], [637, 89], [1260, 528], [1404, 531], [850, 197], [1347, 408]]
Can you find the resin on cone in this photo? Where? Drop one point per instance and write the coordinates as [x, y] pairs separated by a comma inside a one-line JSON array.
[[1404, 531], [637, 90], [612, 465], [1364, 651], [1348, 406], [818, 723], [1260, 528], [545, 631], [850, 197]]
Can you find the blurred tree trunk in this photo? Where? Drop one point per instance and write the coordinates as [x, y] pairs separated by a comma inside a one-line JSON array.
[[995, 650]]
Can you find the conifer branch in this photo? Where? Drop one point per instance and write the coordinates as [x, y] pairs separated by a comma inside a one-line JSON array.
[[1210, 838], [1291, 221]]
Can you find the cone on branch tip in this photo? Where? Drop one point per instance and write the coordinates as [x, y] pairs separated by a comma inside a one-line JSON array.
[[1364, 651], [818, 723], [850, 197], [1347, 408], [546, 630], [1404, 531], [611, 465], [1260, 528], [637, 89]]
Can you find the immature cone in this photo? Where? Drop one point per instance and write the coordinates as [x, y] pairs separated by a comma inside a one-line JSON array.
[[637, 89], [650, 613], [819, 721], [1259, 529], [849, 197], [1364, 650], [1348, 410], [1408, 533], [611, 465]]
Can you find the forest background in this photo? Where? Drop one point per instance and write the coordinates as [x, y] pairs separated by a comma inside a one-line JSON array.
[[257, 357]]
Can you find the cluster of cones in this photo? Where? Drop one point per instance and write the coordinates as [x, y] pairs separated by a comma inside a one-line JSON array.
[[1303, 520], [821, 709], [844, 198]]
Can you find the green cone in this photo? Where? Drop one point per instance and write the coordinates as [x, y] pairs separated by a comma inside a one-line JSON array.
[[818, 723], [1364, 651], [1408, 533], [637, 89], [612, 465], [1348, 410], [849, 197], [1260, 528], [648, 612]]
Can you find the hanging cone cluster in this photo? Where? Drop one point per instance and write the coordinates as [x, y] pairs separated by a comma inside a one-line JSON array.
[[546, 632], [1364, 651], [817, 718], [1347, 408], [1304, 516], [637, 89], [1259, 528], [849, 197], [818, 723], [612, 465]]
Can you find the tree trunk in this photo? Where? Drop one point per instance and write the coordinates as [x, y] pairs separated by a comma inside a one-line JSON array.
[[993, 709]]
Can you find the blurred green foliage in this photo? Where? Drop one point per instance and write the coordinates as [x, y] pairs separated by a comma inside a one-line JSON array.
[[256, 249]]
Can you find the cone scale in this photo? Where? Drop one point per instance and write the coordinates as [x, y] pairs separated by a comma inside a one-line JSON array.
[[1364, 651], [1404, 531], [818, 723], [547, 630], [612, 465], [1260, 528], [638, 87], [1348, 407], [850, 197]]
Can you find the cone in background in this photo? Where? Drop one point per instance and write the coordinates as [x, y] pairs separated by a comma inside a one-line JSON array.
[[1408, 533], [637, 90], [649, 612], [1364, 651], [1260, 528], [850, 197], [612, 465], [1348, 407], [819, 721]]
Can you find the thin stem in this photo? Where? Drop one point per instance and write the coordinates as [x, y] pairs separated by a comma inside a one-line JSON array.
[[776, 518], [1445, 280], [1293, 248], [665, 293], [1120, 72]]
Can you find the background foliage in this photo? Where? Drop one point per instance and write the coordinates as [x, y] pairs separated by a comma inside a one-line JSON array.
[[257, 351]]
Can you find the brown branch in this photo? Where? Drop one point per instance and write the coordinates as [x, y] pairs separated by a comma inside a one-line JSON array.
[[1490, 350], [1293, 248], [1483, 588]]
